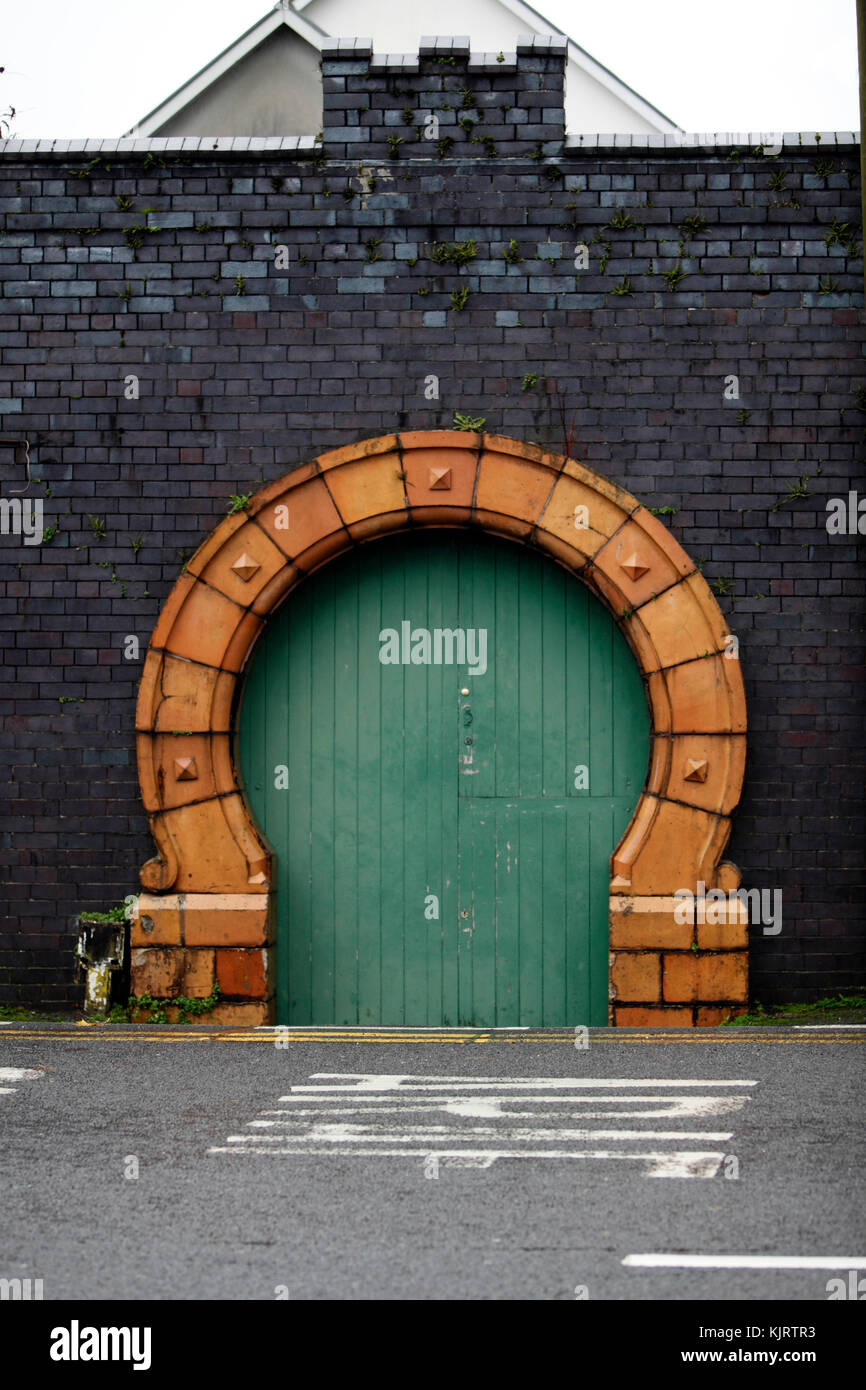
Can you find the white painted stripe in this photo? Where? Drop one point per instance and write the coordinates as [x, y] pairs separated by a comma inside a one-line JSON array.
[[492, 1106], [371, 1082], [822, 1027], [671, 1165], [360, 1134], [19, 1074], [659, 1261]]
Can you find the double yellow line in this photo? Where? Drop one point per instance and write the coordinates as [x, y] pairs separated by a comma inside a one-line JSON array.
[[622, 1037]]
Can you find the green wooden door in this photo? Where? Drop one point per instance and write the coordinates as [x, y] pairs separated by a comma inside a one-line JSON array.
[[443, 739]]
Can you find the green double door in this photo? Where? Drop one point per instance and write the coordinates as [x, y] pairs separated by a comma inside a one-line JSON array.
[[443, 738]]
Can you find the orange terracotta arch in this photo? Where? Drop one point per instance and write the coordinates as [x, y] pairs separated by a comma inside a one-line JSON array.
[[204, 913]]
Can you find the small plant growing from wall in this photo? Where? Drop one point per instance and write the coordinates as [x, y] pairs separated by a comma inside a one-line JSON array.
[[459, 299], [571, 221], [88, 169], [823, 169], [134, 236], [97, 526], [394, 143], [512, 253], [471, 424], [842, 234], [453, 252], [693, 226], [530, 381], [798, 490], [673, 276], [371, 246], [624, 287], [621, 220], [237, 502], [606, 252]]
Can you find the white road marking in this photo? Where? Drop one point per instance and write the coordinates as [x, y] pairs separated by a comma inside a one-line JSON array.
[[659, 1165], [373, 1116], [361, 1134], [484, 1107], [746, 1261], [822, 1027], [364, 1081], [17, 1074]]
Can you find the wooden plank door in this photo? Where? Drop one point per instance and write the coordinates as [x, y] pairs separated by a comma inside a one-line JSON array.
[[441, 858]]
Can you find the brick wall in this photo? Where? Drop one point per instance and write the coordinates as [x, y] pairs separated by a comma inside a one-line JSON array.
[[156, 259]]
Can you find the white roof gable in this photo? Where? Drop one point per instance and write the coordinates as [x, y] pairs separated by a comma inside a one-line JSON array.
[[282, 14], [596, 100]]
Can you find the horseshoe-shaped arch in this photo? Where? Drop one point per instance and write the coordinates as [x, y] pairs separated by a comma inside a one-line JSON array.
[[204, 912]]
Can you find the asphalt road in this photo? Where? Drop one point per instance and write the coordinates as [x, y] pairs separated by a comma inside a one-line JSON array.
[[460, 1166]]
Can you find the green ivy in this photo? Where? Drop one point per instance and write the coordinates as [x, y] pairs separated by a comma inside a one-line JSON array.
[[187, 1008], [453, 252]]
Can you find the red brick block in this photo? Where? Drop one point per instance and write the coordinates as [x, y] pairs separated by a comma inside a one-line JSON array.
[[706, 978], [636, 976], [629, 1016], [242, 973]]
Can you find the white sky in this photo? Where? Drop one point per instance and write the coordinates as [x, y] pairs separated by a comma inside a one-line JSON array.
[[94, 67]]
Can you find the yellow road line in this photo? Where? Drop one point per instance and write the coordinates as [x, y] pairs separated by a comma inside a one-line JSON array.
[[286, 1040]]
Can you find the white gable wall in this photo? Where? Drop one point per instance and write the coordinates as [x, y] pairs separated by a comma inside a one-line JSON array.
[[490, 27], [275, 90]]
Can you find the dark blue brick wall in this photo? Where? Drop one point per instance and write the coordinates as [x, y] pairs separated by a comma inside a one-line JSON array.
[[242, 381]]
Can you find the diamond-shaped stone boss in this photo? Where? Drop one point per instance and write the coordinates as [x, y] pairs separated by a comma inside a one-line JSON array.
[[245, 567]]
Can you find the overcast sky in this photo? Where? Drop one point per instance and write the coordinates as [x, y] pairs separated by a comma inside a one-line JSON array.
[[95, 67]]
